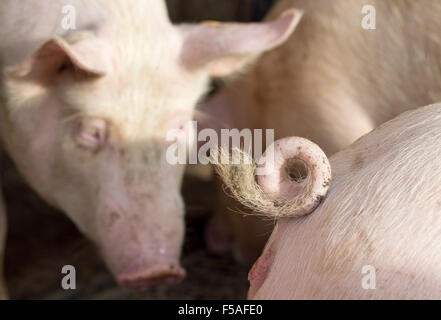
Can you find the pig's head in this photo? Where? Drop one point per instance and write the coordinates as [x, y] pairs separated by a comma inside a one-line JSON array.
[[87, 120]]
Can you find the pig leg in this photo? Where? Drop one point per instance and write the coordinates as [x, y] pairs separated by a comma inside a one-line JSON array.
[[250, 235], [3, 292], [229, 232], [218, 234]]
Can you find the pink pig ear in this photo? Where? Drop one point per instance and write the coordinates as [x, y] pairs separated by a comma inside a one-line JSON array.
[[227, 47], [82, 54]]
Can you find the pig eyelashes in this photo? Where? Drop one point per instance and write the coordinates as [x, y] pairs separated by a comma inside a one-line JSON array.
[[91, 134]]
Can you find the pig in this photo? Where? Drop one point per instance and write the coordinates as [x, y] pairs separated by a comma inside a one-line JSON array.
[[377, 233], [331, 82], [89, 91]]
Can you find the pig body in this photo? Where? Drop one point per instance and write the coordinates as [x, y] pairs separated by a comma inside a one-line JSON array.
[[85, 111], [381, 221], [334, 81]]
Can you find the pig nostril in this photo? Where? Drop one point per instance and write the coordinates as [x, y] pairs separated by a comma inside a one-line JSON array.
[[296, 170]]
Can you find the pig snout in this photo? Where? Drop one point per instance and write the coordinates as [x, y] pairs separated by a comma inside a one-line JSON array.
[[301, 175], [142, 248], [145, 268]]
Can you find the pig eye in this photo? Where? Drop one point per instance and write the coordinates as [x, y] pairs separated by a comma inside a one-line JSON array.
[[91, 134]]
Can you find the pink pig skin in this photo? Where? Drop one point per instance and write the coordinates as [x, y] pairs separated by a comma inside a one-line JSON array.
[[383, 210], [85, 112]]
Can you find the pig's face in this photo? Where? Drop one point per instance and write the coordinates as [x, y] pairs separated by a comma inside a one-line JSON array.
[[120, 189], [123, 194], [88, 120]]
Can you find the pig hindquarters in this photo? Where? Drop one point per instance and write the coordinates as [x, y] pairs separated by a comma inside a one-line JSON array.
[[85, 115], [333, 82], [377, 235]]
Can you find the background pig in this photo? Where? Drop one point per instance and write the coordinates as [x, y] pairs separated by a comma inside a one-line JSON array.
[[331, 82], [84, 115], [383, 210]]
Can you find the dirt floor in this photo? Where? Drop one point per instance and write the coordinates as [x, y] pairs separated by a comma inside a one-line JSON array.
[[41, 241]]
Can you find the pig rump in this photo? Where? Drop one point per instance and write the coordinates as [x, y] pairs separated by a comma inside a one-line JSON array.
[[297, 185]]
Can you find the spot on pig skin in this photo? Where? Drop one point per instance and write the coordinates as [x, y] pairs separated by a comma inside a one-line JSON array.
[[358, 161], [358, 214], [113, 218]]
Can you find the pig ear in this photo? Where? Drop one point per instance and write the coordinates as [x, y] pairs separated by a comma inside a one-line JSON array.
[[56, 54], [226, 47]]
